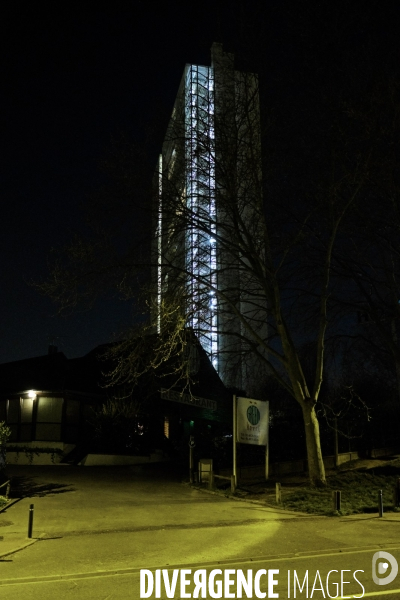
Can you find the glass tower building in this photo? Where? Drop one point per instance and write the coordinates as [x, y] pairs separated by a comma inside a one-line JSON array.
[[199, 179]]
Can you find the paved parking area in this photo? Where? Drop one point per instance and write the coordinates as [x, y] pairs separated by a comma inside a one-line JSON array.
[[77, 500]]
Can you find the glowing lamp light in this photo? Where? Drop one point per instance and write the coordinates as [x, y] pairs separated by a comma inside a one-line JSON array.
[[31, 394]]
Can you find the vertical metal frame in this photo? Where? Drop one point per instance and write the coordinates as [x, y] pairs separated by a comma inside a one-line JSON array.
[[159, 241], [201, 244]]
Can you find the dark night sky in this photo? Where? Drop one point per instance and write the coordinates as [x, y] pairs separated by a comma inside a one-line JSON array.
[[73, 75]]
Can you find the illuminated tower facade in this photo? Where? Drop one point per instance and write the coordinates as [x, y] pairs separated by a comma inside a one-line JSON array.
[[197, 177]]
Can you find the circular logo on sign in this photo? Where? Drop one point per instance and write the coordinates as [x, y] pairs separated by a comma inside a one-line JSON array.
[[253, 415]]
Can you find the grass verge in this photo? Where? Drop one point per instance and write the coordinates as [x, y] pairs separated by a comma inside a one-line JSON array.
[[359, 493]]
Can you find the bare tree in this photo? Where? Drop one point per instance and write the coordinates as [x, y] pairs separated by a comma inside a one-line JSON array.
[[266, 268], [229, 260]]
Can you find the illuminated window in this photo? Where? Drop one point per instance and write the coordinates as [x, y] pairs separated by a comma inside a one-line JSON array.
[[19, 418], [25, 430], [26, 410], [13, 410], [49, 416]]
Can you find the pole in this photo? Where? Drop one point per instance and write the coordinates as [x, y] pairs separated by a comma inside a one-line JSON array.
[[336, 445], [191, 463], [278, 493], [191, 458], [267, 450], [234, 440], [336, 500], [380, 503], [30, 520]]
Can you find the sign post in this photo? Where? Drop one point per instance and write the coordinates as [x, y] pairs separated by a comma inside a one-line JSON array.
[[191, 462], [234, 436], [250, 426]]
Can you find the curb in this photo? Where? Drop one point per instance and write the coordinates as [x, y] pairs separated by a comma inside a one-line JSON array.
[[291, 512], [9, 503], [24, 545], [257, 502], [28, 543]]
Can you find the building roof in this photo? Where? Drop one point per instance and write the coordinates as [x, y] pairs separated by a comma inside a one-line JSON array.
[[52, 372]]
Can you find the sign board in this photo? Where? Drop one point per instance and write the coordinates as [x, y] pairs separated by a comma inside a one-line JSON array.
[[252, 421], [188, 399]]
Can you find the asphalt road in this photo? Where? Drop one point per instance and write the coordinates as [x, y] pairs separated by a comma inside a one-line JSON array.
[[97, 538], [350, 576]]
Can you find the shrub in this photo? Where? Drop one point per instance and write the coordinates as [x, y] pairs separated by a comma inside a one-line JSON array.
[[5, 433]]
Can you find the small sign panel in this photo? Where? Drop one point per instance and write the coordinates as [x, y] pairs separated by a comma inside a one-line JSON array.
[[252, 421], [187, 399]]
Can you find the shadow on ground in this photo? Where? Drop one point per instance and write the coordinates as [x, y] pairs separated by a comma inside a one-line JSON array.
[[28, 487]]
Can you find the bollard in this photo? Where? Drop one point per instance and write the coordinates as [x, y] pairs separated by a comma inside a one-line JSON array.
[[190, 465], [8, 490], [278, 493], [211, 480], [380, 503], [396, 494], [192, 445], [336, 500], [30, 520]]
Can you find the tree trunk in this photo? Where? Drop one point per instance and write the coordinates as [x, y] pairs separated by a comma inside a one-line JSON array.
[[316, 468], [336, 445]]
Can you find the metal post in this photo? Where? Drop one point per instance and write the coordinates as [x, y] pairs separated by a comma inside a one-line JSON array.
[[211, 480], [233, 487], [380, 503], [234, 440], [30, 520], [278, 493], [336, 500], [191, 463], [267, 450], [396, 494], [336, 445]]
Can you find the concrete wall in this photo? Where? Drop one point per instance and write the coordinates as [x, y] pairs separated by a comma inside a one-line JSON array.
[[382, 452], [97, 460], [38, 454]]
